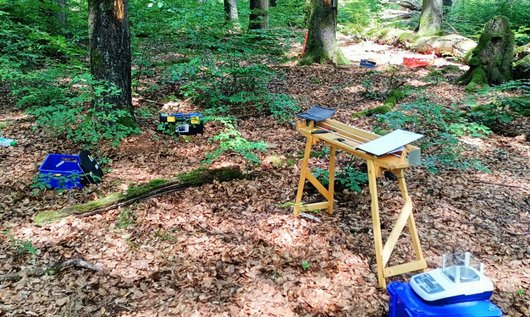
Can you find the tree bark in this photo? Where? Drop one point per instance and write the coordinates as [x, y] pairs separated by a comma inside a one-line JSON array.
[[431, 17], [61, 16], [491, 61], [110, 49], [321, 46], [231, 10], [259, 14]]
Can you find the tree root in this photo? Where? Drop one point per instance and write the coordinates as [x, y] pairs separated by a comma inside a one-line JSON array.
[[51, 270]]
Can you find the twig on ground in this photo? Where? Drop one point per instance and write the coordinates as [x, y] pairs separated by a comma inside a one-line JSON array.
[[53, 269], [151, 101], [498, 184]]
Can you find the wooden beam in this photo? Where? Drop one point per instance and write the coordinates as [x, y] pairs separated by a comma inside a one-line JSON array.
[[331, 186], [314, 206], [401, 221], [405, 268], [304, 171], [376, 223], [318, 185]]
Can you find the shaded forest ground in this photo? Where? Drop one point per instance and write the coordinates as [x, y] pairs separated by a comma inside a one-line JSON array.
[[229, 249]]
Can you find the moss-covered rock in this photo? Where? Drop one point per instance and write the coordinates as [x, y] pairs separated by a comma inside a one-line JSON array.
[[522, 51], [521, 68]]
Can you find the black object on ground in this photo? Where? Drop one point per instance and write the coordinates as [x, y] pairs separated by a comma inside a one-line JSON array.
[[317, 113], [91, 168]]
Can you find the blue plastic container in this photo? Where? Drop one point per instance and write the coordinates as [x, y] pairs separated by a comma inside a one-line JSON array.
[[367, 63], [405, 303], [61, 171]]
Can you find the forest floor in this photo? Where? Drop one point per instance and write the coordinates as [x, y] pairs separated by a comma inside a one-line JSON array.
[[230, 249]]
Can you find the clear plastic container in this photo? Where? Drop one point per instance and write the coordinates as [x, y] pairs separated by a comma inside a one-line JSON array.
[[461, 267]]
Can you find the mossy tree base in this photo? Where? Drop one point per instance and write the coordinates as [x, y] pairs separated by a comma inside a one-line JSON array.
[[336, 58], [321, 46], [491, 61], [196, 177]]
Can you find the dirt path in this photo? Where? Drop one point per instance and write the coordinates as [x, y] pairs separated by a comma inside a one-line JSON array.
[[384, 54], [229, 249]]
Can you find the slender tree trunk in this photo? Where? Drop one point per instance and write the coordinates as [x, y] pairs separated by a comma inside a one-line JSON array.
[[231, 10], [431, 17], [259, 14], [110, 50], [321, 45], [61, 15]]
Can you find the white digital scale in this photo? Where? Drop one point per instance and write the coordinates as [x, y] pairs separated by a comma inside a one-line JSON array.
[[456, 281]]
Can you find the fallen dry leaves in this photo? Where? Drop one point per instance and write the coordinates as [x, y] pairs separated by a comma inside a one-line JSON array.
[[227, 249]]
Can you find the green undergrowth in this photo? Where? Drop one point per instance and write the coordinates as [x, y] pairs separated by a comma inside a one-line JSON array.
[[347, 177], [224, 69], [441, 128], [506, 102], [185, 46]]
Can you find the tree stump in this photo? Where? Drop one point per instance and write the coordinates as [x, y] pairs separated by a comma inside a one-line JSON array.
[[491, 61]]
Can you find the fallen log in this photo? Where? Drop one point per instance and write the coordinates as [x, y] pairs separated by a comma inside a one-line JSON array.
[[154, 188], [393, 97]]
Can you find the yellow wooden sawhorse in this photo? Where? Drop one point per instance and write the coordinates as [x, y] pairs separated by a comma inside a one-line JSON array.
[[340, 136]]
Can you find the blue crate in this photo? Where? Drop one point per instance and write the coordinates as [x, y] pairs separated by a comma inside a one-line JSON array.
[[404, 302], [367, 63], [61, 171]]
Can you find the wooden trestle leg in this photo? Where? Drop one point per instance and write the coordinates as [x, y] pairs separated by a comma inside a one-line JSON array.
[[304, 169], [378, 240], [306, 175], [331, 186], [413, 231]]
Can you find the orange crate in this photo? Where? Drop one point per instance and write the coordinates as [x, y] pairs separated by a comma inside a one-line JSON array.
[[413, 62]]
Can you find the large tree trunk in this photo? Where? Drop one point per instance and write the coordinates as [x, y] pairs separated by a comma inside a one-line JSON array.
[[231, 10], [491, 61], [321, 45], [110, 49], [259, 14], [431, 17]]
